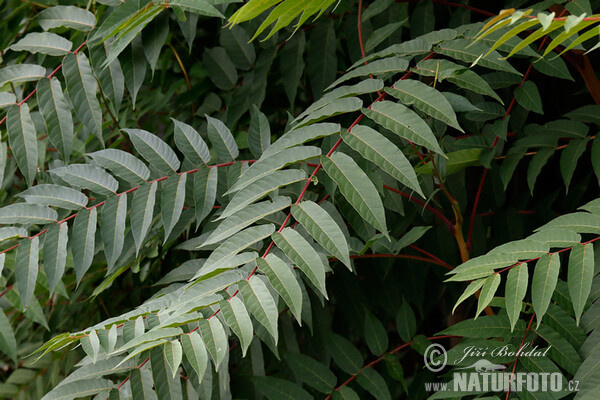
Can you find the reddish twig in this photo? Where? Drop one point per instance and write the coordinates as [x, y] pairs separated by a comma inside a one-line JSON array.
[[377, 360], [133, 189], [428, 254], [432, 260], [444, 219], [484, 174], [48, 77], [512, 374], [537, 258]]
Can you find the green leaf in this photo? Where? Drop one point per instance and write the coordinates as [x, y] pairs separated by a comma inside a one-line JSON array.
[[142, 212], [220, 68], [55, 253], [142, 384], [246, 217], [485, 327], [222, 256], [555, 67], [166, 386], [345, 393], [67, 16], [134, 67], [261, 188], [487, 292], [237, 317], [514, 292], [381, 34], [259, 132], [403, 122], [536, 164], [83, 241], [54, 195], [171, 202], [21, 73], [8, 343], [112, 222], [303, 255], [560, 350], [205, 191], [579, 222], [80, 388], [375, 334], [91, 345], [151, 336], [280, 389], [339, 106], [472, 52], [426, 99], [569, 158], [528, 97], [374, 383], [292, 64], [557, 237], [311, 372], [321, 59], [323, 228], [26, 268], [154, 150], [214, 338], [22, 140], [7, 99], [595, 156], [377, 148], [580, 275], [122, 164], [25, 214], [357, 188], [301, 135], [85, 176], [406, 322], [190, 143], [236, 42], [201, 7], [173, 355], [195, 352], [44, 43], [345, 355], [82, 87], [57, 115], [366, 86], [268, 165], [133, 26], [282, 279], [111, 78], [153, 39], [260, 303], [544, 281], [379, 67], [522, 249], [222, 139], [457, 74], [485, 263]]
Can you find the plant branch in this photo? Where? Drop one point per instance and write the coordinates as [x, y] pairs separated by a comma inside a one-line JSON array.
[[377, 360], [484, 174], [512, 374]]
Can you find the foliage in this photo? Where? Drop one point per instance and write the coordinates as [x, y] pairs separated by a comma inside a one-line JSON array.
[[292, 199]]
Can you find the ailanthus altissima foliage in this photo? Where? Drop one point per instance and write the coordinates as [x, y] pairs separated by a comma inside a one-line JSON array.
[[210, 199]]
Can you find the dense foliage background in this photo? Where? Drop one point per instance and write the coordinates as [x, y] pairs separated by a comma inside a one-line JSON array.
[[409, 178]]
